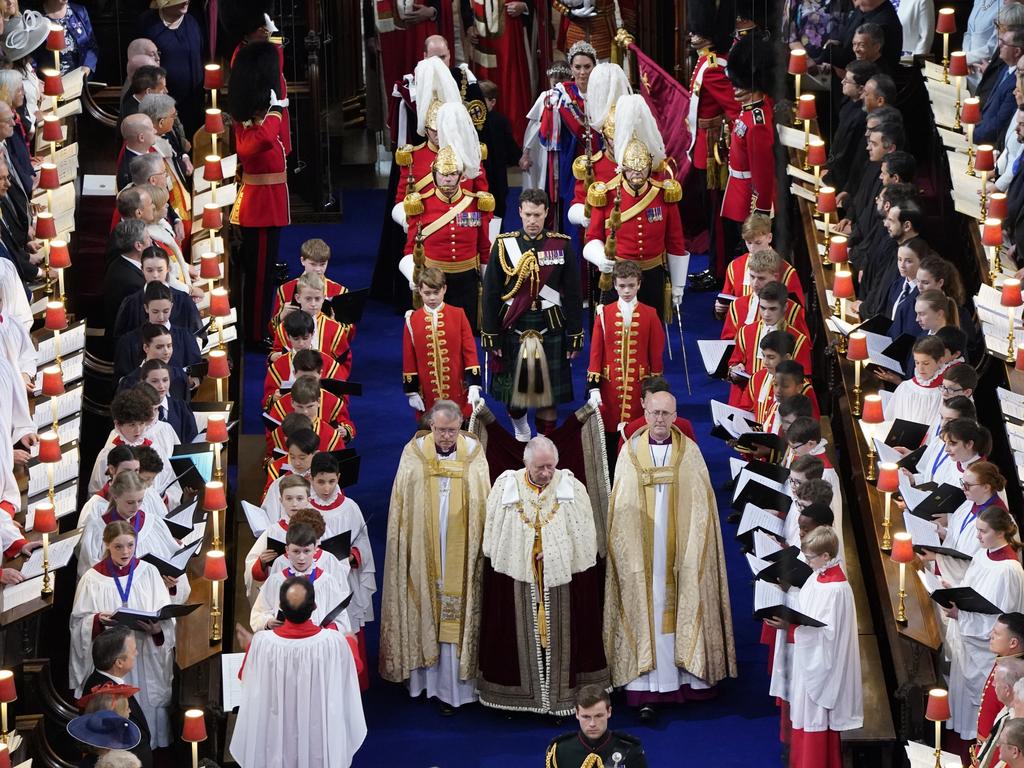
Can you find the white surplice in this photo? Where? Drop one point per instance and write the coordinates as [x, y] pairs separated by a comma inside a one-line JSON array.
[[153, 537], [154, 666], [16, 345], [666, 676], [15, 423], [826, 690], [329, 590], [362, 580], [914, 402], [441, 681], [1001, 582], [162, 439], [13, 300]]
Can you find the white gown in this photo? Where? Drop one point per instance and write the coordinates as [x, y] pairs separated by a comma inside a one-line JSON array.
[[153, 537], [827, 693], [13, 300], [154, 666], [300, 703], [1002, 583], [914, 402], [362, 580], [15, 423], [330, 589], [162, 439], [17, 346]]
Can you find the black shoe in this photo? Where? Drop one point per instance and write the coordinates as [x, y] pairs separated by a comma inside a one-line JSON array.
[[445, 709], [703, 281], [647, 714]]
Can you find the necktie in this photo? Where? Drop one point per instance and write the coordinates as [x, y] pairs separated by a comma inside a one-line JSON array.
[[163, 413], [901, 297]]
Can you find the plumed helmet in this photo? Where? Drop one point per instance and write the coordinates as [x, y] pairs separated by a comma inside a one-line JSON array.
[[434, 86], [457, 135], [607, 83], [638, 144]]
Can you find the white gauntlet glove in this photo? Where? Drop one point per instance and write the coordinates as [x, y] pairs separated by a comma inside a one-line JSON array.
[[415, 401]]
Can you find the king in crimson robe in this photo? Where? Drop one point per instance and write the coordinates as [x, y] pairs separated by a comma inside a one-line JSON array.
[[504, 54], [430, 606], [667, 622], [540, 624]]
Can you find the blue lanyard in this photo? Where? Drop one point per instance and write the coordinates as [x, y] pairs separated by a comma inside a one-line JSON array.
[[124, 593], [977, 510], [938, 462], [311, 575]]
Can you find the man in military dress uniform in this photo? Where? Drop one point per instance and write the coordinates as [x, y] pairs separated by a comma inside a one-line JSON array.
[[594, 745], [450, 230], [636, 217], [751, 184], [532, 317]]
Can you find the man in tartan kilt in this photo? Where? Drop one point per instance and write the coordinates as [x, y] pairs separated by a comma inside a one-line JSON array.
[[532, 317]]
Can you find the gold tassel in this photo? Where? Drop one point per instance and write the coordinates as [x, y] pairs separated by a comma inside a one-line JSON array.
[[483, 151], [413, 204], [597, 195], [660, 168], [403, 155], [579, 168], [484, 202], [672, 191]]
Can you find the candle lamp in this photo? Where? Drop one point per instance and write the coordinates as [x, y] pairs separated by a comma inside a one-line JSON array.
[[826, 206], [56, 320], [872, 414], [55, 43], [45, 522], [902, 553], [194, 730], [53, 86], [997, 206], [938, 712], [816, 158], [53, 386], [1011, 299], [945, 25], [797, 68], [209, 268], [970, 116], [213, 172], [838, 250], [219, 370], [216, 571], [49, 454], [219, 308], [857, 353], [992, 238], [8, 694], [842, 289], [215, 501], [958, 68], [59, 258], [806, 110], [214, 125], [213, 79], [888, 483], [52, 133], [984, 163], [217, 435]]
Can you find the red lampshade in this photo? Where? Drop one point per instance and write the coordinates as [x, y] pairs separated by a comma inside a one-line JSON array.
[[213, 77], [992, 232], [838, 252], [902, 548], [997, 208], [798, 61], [945, 22], [49, 448], [871, 413], [212, 216], [1019, 362], [842, 286], [56, 318], [52, 130], [938, 705], [807, 108], [49, 176], [194, 728], [45, 518], [958, 64], [52, 84], [984, 158], [46, 228], [8, 691], [816, 155], [219, 368], [216, 567], [216, 430], [827, 200], [970, 112], [857, 347], [213, 170], [214, 121], [219, 305], [1011, 293], [209, 266], [888, 477], [214, 496], [53, 381], [55, 38], [59, 256]]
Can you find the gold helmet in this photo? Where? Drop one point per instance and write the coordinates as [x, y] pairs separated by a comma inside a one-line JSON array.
[[430, 121], [639, 146], [446, 162], [636, 157], [608, 129]]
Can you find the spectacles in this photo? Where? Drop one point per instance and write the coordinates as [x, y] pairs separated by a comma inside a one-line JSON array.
[[661, 414], [967, 486], [951, 390], [440, 431]]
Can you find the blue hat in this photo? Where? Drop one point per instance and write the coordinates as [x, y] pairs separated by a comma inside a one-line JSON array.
[[106, 730]]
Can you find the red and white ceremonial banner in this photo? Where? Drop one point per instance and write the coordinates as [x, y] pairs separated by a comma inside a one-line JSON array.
[[670, 103]]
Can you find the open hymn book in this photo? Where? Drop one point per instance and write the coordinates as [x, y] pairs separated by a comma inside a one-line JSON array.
[[773, 602]]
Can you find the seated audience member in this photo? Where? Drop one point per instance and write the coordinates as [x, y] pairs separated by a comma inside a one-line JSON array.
[[158, 344], [847, 140], [903, 290], [184, 313], [158, 302], [139, 137], [170, 409], [999, 105]]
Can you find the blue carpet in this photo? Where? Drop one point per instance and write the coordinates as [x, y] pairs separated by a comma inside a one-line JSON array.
[[739, 728]]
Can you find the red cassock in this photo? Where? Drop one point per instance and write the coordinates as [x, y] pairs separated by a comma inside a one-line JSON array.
[[500, 55], [455, 232], [330, 337], [751, 184], [422, 170], [263, 197], [650, 226], [280, 372], [711, 98], [286, 292], [621, 358], [746, 349], [333, 410], [331, 438], [275, 469], [439, 361], [739, 311], [735, 280]]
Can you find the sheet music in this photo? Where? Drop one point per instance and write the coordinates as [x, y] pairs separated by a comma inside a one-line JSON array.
[[765, 545], [13, 595], [71, 340], [257, 518], [184, 516], [228, 165], [756, 564], [922, 532], [197, 535], [842, 327], [712, 351], [923, 755], [930, 580], [755, 517], [886, 453], [911, 495], [213, 340], [231, 693], [63, 471], [877, 344], [68, 403], [735, 467], [60, 553], [775, 485], [768, 595]]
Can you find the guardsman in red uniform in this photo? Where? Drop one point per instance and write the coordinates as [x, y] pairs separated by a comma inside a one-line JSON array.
[[435, 87], [636, 217], [751, 184], [1006, 640], [260, 28], [261, 208], [439, 360], [626, 346], [451, 231]]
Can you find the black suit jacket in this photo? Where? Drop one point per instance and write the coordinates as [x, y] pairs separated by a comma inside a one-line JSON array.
[[135, 714], [887, 18], [121, 281], [1015, 203], [847, 144]]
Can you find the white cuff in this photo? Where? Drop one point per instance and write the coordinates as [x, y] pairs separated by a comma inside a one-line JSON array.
[[406, 266], [678, 266], [576, 215], [398, 215]]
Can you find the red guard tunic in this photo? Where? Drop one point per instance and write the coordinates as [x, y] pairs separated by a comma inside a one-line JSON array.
[[621, 357], [746, 350], [263, 197], [740, 314], [280, 374], [751, 184], [330, 338], [282, 93], [286, 292], [712, 102], [759, 397], [650, 227], [736, 279], [331, 438], [454, 232], [439, 360], [333, 410], [422, 169]]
